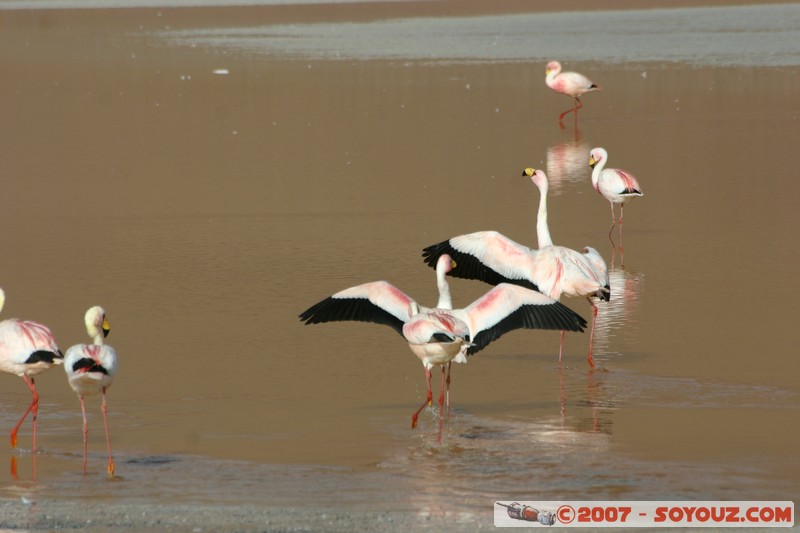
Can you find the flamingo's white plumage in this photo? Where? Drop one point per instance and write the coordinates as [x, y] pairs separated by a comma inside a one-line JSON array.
[[438, 336], [569, 83], [26, 349], [90, 370], [552, 270], [615, 185], [585, 272]]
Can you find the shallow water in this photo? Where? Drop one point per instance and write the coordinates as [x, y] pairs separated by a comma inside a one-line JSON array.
[[206, 210]]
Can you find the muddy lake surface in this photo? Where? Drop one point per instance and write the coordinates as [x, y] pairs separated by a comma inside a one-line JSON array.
[[208, 173]]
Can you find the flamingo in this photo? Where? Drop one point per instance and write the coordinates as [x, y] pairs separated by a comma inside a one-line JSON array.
[[444, 266], [26, 349], [90, 370], [440, 335], [569, 83], [552, 270], [591, 268], [615, 185]]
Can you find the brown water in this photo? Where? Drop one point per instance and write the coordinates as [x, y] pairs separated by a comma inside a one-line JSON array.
[[206, 210]]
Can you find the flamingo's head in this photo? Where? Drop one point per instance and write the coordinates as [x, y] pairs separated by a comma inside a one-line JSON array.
[[554, 67], [445, 264], [97, 323], [596, 156], [538, 177]]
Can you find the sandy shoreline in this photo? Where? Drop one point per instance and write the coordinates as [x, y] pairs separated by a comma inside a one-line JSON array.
[[708, 34], [102, 516], [221, 13]]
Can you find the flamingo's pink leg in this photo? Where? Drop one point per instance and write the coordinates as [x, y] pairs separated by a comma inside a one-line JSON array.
[[428, 400], [32, 408]]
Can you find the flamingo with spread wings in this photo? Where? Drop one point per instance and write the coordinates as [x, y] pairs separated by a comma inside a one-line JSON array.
[[438, 336], [552, 270]]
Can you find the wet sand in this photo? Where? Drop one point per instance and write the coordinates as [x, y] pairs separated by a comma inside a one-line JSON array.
[[205, 210], [149, 517]]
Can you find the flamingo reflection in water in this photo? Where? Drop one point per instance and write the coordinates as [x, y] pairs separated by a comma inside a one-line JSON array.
[[566, 164], [618, 318]]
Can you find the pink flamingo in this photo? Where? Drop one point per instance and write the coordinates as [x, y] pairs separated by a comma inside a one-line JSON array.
[[439, 336], [26, 349], [569, 83], [90, 370], [615, 185], [552, 270]]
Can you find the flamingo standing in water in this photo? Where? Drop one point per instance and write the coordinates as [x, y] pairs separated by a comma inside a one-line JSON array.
[[569, 83], [553, 270], [440, 335], [615, 185], [90, 370], [26, 349]]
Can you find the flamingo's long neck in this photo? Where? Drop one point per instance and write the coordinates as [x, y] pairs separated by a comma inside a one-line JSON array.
[[96, 334], [542, 229], [550, 79], [596, 170], [445, 300]]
